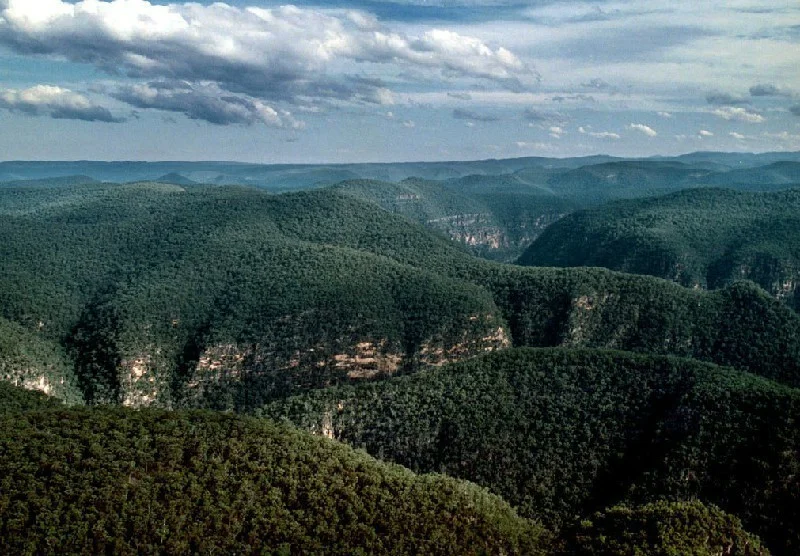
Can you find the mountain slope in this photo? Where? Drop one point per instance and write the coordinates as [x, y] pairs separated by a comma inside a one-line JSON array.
[[111, 480], [564, 433], [705, 238], [226, 297]]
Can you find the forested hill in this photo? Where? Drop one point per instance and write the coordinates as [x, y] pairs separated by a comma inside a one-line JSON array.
[[703, 237], [564, 433], [227, 297], [328, 309], [107, 480]]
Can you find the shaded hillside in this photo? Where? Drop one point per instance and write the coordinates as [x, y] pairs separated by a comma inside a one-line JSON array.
[[106, 480], [224, 296], [31, 360], [705, 238], [663, 529], [564, 433], [493, 222]]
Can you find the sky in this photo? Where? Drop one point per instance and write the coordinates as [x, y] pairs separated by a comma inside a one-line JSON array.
[[395, 80]]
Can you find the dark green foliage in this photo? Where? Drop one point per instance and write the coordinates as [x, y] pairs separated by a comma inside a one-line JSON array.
[[153, 275], [739, 326], [564, 433], [144, 482], [29, 358], [663, 529], [149, 279], [14, 400], [707, 237]]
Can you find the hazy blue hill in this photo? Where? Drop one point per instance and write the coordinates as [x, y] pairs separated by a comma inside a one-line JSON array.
[[301, 176], [113, 480], [619, 180], [704, 237], [563, 433], [778, 175], [736, 160], [176, 178], [62, 181]]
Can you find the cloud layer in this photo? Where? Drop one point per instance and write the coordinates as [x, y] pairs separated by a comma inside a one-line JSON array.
[[58, 103], [260, 56]]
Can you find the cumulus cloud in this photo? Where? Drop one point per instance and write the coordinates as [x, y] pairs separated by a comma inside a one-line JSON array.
[[58, 103], [556, 131], [736, 135], [598, 134], [725, 99], [279, 54], [665, 114], [768, 90], [204, 102], [705, 133], [647, 130], [739, 114], [462, 114]]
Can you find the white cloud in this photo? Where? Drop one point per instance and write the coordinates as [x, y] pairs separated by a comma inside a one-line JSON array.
[[739, 114], [56, 102], [647, 130], [282, 54], [538, 146], [598, 134], [705, 133], [738, 136], [409, 124], [556, 131], [665, 114]]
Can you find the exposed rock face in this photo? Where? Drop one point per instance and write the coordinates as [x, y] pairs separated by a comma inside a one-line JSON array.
[[138, 381], [233, 365], [482, 230]]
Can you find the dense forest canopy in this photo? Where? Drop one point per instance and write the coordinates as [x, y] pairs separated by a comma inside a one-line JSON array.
[[603, 411], [702, 237]]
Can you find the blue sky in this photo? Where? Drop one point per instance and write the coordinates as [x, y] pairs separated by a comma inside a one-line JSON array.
[[382, 80]]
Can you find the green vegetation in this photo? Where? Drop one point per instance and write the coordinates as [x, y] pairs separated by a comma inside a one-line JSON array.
[[31, 360], [229, 297], [14, 399], [663, 529], [704, 237], [348, 311], [561, 434], [113, 480]]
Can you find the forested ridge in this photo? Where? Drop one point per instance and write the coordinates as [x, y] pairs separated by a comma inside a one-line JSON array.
[[77, 481], [703, 237], [350, 312], [564, 433]]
